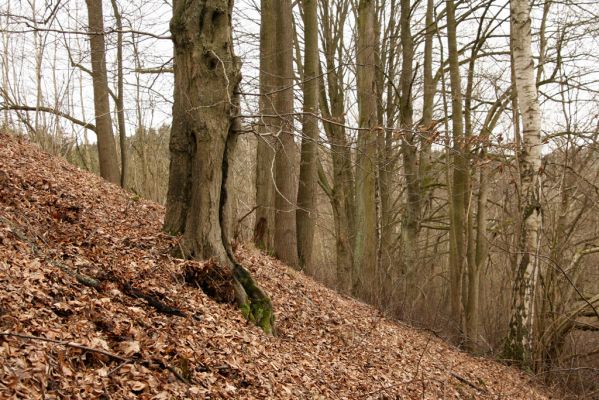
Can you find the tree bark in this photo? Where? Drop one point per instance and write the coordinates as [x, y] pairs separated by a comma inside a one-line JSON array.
[[109, 165], [203, 135], [365, 244], [429, 87], [520, 335], [120, 102], [306, 201], [410, 226], [265, 157], [343, 190], [457, 207], [285, 190]]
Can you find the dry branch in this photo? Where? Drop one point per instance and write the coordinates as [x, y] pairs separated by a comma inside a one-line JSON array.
[[67, 344]]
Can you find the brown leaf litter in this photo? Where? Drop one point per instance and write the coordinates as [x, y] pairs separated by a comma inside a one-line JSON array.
[[62, 336]]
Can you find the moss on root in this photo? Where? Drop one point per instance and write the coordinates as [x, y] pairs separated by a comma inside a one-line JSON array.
[[257, 306], [260, 313]]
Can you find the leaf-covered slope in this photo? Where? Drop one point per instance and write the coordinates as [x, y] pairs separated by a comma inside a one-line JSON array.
[[60, 227]]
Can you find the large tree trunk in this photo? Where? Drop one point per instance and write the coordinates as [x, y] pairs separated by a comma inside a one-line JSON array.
[[520, 335], [203, 134], [286, 192], [109, 165], [264, 228], [365, 243], [306, 201]]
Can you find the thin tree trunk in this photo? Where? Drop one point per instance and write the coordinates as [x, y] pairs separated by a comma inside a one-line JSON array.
[[120, 102], [343, 191], [109, 165], [460, 173], [306, 212], [471, 286], [265, 153], [409, 152]]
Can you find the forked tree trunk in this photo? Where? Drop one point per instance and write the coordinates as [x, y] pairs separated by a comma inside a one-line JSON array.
[[109, 165], [332, 108], [520, 334], [203, 135]]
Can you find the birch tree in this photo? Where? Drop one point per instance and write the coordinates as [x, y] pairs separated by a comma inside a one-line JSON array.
[[523, 313]]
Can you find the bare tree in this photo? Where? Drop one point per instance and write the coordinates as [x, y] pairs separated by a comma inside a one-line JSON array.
[[306, 202], [109, 166], [365, 244], [203, 134]]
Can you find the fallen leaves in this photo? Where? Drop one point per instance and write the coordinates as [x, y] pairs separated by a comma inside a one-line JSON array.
[[55, 219]]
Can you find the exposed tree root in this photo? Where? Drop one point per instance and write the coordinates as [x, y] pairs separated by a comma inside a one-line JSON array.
[[214, 280], [160, 306]]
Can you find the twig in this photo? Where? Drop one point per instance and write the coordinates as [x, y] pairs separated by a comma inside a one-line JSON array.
[[121, 365], [67, 344], [467, 382], [177, 374], [159, 305], [240, 220]]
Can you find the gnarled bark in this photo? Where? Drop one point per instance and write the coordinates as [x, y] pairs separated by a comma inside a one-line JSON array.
[[203, 136]]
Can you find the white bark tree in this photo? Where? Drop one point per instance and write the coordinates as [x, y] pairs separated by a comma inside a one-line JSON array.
[[520, 335]]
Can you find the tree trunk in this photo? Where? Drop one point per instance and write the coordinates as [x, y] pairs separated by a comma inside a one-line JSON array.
[[409, 152], [120, 102], [285, 190], [521, 335], [343, 191], [365, 243], [109, 165], [264, 232], [476, 245], [203, 135], [306, 201], [457, 207], [341, 195]]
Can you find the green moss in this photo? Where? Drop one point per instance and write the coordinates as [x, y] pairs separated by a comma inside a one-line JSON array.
[[245, 310], [259, 313]]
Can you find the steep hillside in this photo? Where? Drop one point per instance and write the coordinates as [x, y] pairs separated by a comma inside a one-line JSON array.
[[93, 306]]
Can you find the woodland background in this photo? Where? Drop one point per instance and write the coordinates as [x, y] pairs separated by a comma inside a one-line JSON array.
[[416, 162]]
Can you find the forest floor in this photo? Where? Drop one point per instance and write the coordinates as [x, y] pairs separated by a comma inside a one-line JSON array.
[[92, 305]]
